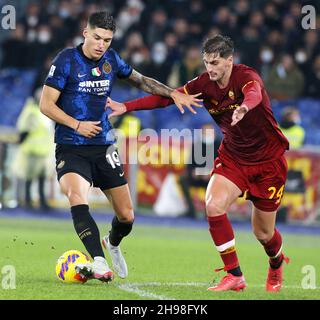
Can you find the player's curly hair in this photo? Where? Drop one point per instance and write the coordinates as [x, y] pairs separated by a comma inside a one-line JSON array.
[[218, 44], [102, 19]]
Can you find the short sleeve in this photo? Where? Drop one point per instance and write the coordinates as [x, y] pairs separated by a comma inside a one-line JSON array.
[[124, 70], [59, 71]]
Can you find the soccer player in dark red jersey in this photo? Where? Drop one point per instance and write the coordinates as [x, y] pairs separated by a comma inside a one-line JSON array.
[[250, 160]]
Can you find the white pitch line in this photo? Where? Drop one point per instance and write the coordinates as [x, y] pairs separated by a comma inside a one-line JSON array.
[[170, 284], [134, 288], [128, 287]]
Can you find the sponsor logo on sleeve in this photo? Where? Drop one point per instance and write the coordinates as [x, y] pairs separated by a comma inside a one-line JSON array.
[[51, 71]]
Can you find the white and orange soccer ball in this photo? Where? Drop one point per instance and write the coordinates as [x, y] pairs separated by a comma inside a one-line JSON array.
[[65, 267]]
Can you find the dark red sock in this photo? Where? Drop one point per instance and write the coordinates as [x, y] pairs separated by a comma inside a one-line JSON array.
[[273, 249], [223, 237]]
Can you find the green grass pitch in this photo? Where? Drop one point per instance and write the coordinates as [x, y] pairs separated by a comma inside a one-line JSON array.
[[164, 263]]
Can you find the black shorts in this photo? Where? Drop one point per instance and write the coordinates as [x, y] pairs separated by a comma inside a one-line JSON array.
[[100, 165]]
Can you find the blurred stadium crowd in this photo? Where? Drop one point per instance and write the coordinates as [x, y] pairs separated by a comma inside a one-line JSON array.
[[162, 39]]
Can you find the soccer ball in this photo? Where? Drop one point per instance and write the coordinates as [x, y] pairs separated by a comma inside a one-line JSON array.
[[65, 267]]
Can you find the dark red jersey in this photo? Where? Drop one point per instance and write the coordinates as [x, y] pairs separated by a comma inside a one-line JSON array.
[[255, 138]]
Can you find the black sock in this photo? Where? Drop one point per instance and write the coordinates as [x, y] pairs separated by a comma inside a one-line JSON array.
[[236, 272], [118, 231], [87, 230]]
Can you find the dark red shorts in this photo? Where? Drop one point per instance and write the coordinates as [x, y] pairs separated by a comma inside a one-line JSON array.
[[263, 183]]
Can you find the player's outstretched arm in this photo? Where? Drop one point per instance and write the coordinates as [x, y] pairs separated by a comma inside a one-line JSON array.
[[145, 103], [48, 107], [155, 87], [252, 98]]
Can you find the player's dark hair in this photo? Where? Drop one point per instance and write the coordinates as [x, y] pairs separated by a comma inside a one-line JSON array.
[[102, 19], [218, 44]]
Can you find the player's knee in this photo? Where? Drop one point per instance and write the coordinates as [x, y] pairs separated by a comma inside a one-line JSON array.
[[215, 207], [76, 197], [127, 219], [126, 215], [263, 236]]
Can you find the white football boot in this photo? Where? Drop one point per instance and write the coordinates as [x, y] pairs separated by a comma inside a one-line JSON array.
[[98, 269], [118, 261]]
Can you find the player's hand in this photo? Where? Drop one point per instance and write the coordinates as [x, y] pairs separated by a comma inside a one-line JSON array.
[[89, 129], [181, 99], [238, 114], [117, 108]]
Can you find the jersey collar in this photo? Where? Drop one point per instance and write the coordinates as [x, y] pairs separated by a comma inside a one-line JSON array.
[[80, 50]]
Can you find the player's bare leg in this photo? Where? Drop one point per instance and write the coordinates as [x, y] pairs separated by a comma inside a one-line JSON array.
[[121, 226], [263, 226], [76, 188], [221, 193]]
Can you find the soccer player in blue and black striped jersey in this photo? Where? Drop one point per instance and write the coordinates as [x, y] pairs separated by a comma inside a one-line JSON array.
[[74, 96]]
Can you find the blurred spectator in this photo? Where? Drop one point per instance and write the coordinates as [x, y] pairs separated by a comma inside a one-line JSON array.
[[190, 67], [41, 47], [129, 124], [295, 9], [11, 46], [311, 43], [266, 57], [301, 58], [158, 26], [159, 66], [291, 128], [43, 73], [78, 37], [272, 17], [275, 41], [222, 18], [135, 52], [290, 31], [69, 12], [34, 149], [48, 26], [213, 31], [256, 21], [242, 11], [32, 19], [60, 34], [199, 16], [181, 30], [128, 16], [203, 147], [313, 79], [171, 42], [249, 45], [285, 80]]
